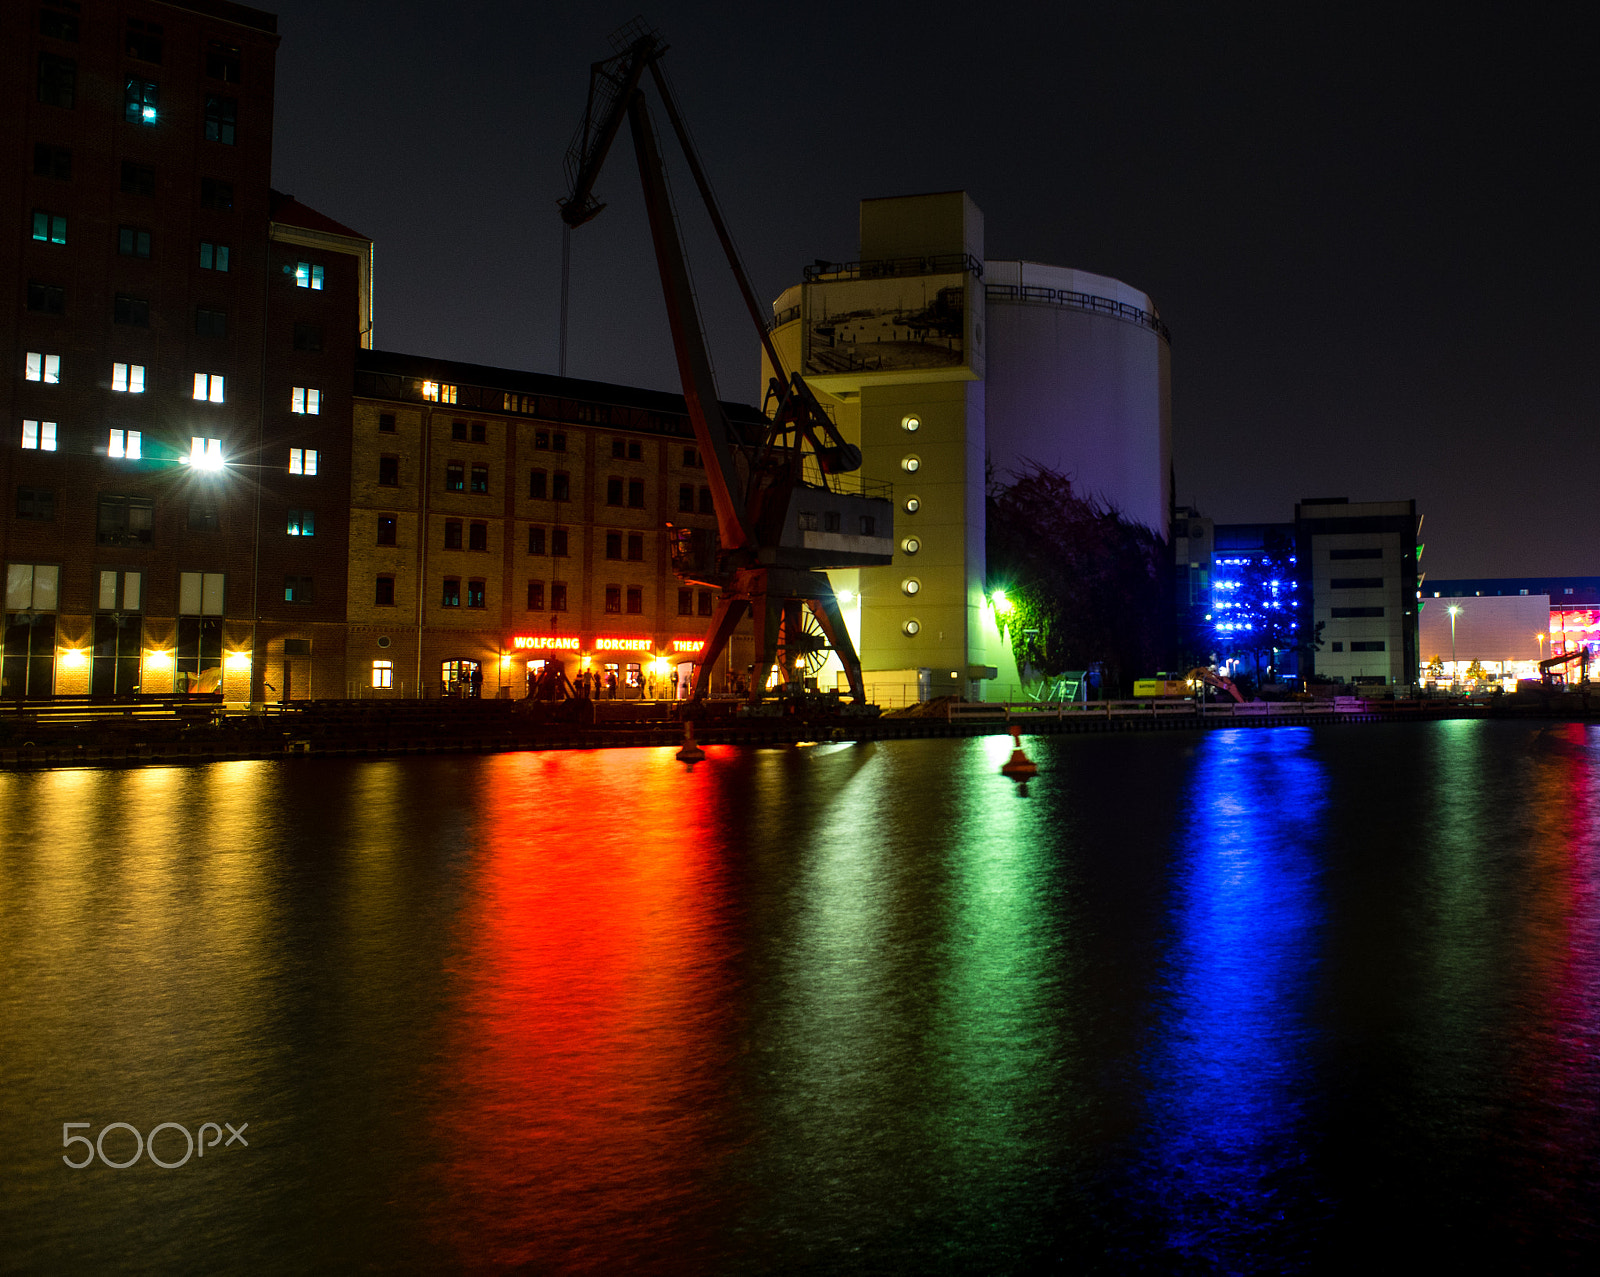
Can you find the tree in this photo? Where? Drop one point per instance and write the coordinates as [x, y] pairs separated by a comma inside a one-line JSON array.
[[1087, 586], [1258, 613]]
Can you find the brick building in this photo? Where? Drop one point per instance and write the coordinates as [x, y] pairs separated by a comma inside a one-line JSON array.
[[179, 337]]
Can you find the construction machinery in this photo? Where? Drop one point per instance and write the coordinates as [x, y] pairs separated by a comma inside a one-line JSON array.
[[1549, 666], [789, 504]]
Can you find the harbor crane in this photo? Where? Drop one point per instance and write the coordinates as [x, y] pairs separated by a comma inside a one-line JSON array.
[[790, 503], [1549, 666]]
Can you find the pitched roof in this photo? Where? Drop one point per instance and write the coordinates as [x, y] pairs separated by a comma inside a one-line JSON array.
[[291, 212]]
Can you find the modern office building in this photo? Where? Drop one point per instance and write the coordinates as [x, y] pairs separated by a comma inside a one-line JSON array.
[[1363, 569], [941, 365], [180, 360]]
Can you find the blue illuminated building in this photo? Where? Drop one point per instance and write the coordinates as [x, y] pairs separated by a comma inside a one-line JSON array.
[[1260, 593]]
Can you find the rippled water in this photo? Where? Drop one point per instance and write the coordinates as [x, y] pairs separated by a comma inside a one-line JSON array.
[[1261, 1000]]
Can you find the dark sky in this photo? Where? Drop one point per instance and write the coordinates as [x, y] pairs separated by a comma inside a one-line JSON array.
[[1373, 237]]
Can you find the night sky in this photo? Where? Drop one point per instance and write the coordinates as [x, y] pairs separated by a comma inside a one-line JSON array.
[[1373, 237]]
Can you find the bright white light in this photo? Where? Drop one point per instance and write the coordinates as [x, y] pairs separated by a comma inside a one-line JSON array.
[[845, 597]]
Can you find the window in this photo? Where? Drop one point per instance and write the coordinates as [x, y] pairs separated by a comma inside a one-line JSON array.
[[388, 472], [303, 461], [49, 228], [388, 526], [685, 602], [222, 62], [558, 543], [298, 589], [41, 367], [636, 547], [308, 337], [830, 521], [40, 435], [452, 592], [210, 323], [36, 503], [220, 116], [635, 600], [478, 536], [133, 242], [807, 520], [383, 671], [208, 387], [1356, 583], [558, 442], [614, 599], [628, 450], [204, 454], [28, 668], [535, 540], [452, 534], [560, 486], [558, 596], [49, 299], [125, 520], [869, 525], [309, 275], [58, 25], [707, 506], [1354, 613], [691, 457], [613, 545], [475, 594], [613, 491], [386, 423], [126, 444], [541, 440], [302, 523], [139, 100], [438, 392], [216, 194], [131, 310], [203, 517], [455, 477], [686, 498], [705, 603], [480, 432], [383, 595], [307, 400], [144, 40], [213, 256], [1370, 645], [127, 378], [137, 179], [1355, 554], [536, 596], [480, 478], [31, 587], [636, 494], [58, 78], [52, 161], [536, 485], [458, 430], [200, 593]]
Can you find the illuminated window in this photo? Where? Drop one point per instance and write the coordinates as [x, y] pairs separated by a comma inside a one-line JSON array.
[[430, 390], [911, 464], [475, 593], [40, 435], [309, 275], [452, 592], [439, 392], [43, 368], [911, 585], [303, 461], [200, 593], [125, 599], [31, 587], [208, 387], [204, 454], [221, 114], [298, 589], [384, 594], [125, 444], [480, 478], [306, 400], [383, 671], [455, 477], [50, 228], [133, 242], [140, 100], [302, 523]]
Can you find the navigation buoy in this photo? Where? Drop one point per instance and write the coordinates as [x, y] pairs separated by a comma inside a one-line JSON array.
[[1019, 767], [689, 752]]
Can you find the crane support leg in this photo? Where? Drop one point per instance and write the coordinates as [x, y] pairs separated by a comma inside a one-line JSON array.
[[768, 614], [793, 669], [826, 610], [730, 611]]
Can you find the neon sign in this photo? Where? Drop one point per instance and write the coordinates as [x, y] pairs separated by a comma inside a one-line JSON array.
[[546, 642], [623, 645], [687, 645]]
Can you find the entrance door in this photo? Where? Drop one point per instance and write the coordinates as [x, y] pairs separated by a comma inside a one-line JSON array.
[[114, 668], [460, 678], [28, 665]]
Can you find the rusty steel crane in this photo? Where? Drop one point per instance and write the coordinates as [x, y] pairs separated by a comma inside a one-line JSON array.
[[786, 509]]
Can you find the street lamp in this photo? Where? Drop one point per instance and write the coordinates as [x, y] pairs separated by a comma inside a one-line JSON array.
[[1454, 612], [1540, 637]]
